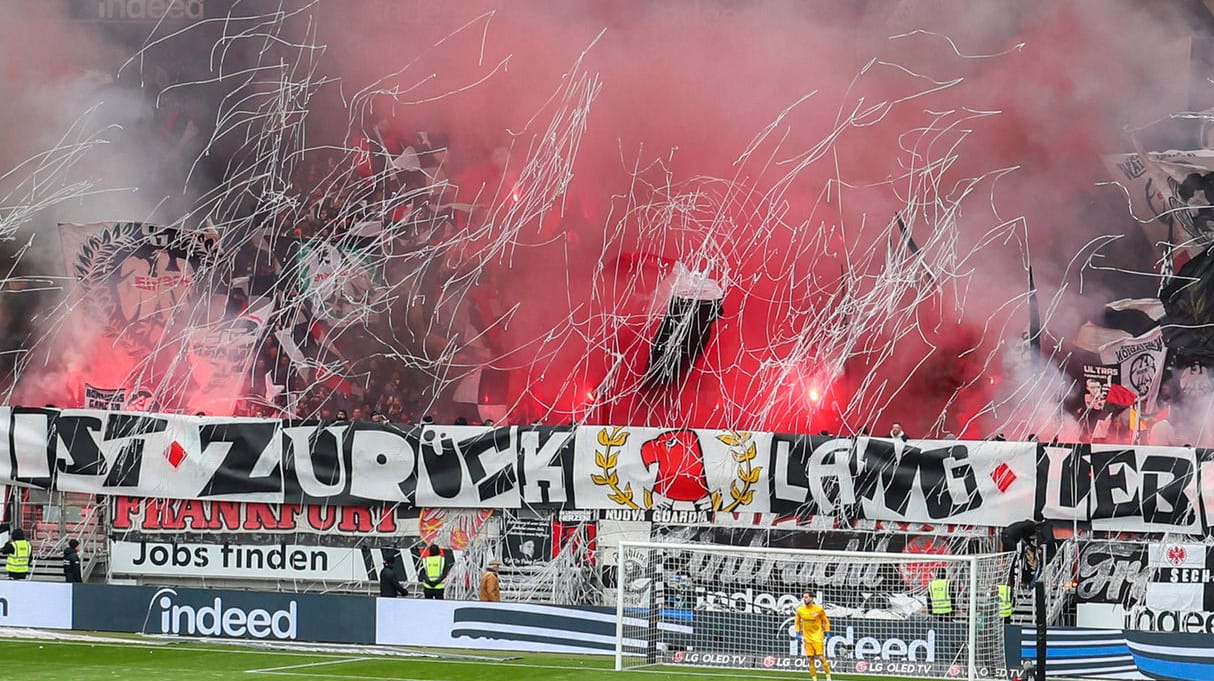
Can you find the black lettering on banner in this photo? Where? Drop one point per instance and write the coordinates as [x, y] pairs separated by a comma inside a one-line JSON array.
[[1115, 484], [1064, 480], [833, 487], [1166, 485], [313, 455], [545, 466], [443, 470], [385, 467], [789, 480], [954, 486], [29, 452], [1205, 486], [249, 442], [320, 465], [944, 478], [489, 485], [446, 459], [76, 442], [876, 473], [812, 475], [129, 433]]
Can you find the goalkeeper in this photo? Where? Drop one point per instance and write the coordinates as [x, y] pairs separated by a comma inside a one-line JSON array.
[[813, 628]]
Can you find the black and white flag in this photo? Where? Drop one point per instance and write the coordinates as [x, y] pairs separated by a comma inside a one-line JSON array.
[[1182, 578]]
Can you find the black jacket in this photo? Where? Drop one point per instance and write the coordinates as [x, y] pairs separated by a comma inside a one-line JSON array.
[[1017, 532], [389, 583], [71, 565]]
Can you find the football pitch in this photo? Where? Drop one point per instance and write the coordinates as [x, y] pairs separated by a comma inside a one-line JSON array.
[[157, 660]]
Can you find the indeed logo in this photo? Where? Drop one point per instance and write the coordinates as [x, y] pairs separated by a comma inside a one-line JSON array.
[[148, 10], [745, 601], [1170, 620], [216, 620], [868, 647]]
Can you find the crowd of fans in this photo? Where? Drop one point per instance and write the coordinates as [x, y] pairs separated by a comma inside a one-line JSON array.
[[351, 207]]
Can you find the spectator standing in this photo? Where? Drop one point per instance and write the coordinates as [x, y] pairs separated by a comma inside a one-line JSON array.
[[490, 585], [18, 552], [390, 585], [71, 562], [897, 433]]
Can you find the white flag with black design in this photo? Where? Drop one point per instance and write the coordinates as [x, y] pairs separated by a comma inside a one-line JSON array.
[[1182, 578]]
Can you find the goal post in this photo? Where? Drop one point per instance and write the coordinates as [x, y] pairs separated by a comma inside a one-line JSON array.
[[726, 606]]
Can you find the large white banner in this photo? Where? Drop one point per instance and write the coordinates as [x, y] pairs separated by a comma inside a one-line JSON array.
[[241, 561], [671, 475], [35, 604]]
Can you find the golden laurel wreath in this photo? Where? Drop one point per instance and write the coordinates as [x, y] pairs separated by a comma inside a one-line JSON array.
[[741, 448]]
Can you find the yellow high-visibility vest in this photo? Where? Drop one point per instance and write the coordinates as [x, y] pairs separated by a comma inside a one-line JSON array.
[[1005, 601], [941, 601], [19, 559], [433, 565]]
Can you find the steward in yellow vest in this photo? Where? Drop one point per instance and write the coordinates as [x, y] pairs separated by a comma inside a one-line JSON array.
[[940, 600], [1005, 601], [435, 566], [17, 552]]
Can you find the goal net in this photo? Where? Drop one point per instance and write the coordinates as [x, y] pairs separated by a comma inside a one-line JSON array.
[[724, 606]]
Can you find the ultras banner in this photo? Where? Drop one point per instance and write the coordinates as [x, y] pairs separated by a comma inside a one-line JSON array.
[[604, 469]]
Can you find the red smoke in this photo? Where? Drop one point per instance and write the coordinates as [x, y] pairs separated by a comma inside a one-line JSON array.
[[866, 121]]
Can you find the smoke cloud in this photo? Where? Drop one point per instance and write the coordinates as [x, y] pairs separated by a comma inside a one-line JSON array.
[[769, 145]]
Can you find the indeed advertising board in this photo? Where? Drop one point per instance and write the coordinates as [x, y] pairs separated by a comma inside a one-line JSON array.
[[35, 604], [207, 613], [238, 561]]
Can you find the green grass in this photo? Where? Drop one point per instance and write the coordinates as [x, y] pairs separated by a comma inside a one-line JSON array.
[[111, 658]]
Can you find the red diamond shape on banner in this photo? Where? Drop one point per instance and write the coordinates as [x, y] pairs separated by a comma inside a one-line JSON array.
[[1003, 477], [175, 455]]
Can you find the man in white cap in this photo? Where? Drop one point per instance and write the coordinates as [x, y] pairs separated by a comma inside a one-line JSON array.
[[490, 588]]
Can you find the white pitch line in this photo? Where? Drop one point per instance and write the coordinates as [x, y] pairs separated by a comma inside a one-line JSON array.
[[287, 672], [267, 670], [769, 676]]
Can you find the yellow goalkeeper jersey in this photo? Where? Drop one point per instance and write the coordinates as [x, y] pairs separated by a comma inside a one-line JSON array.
[[812, 620]]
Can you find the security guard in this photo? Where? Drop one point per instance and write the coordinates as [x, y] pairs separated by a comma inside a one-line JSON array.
[[1005, 601], [435, 566], [940, 600], [18, 551]]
